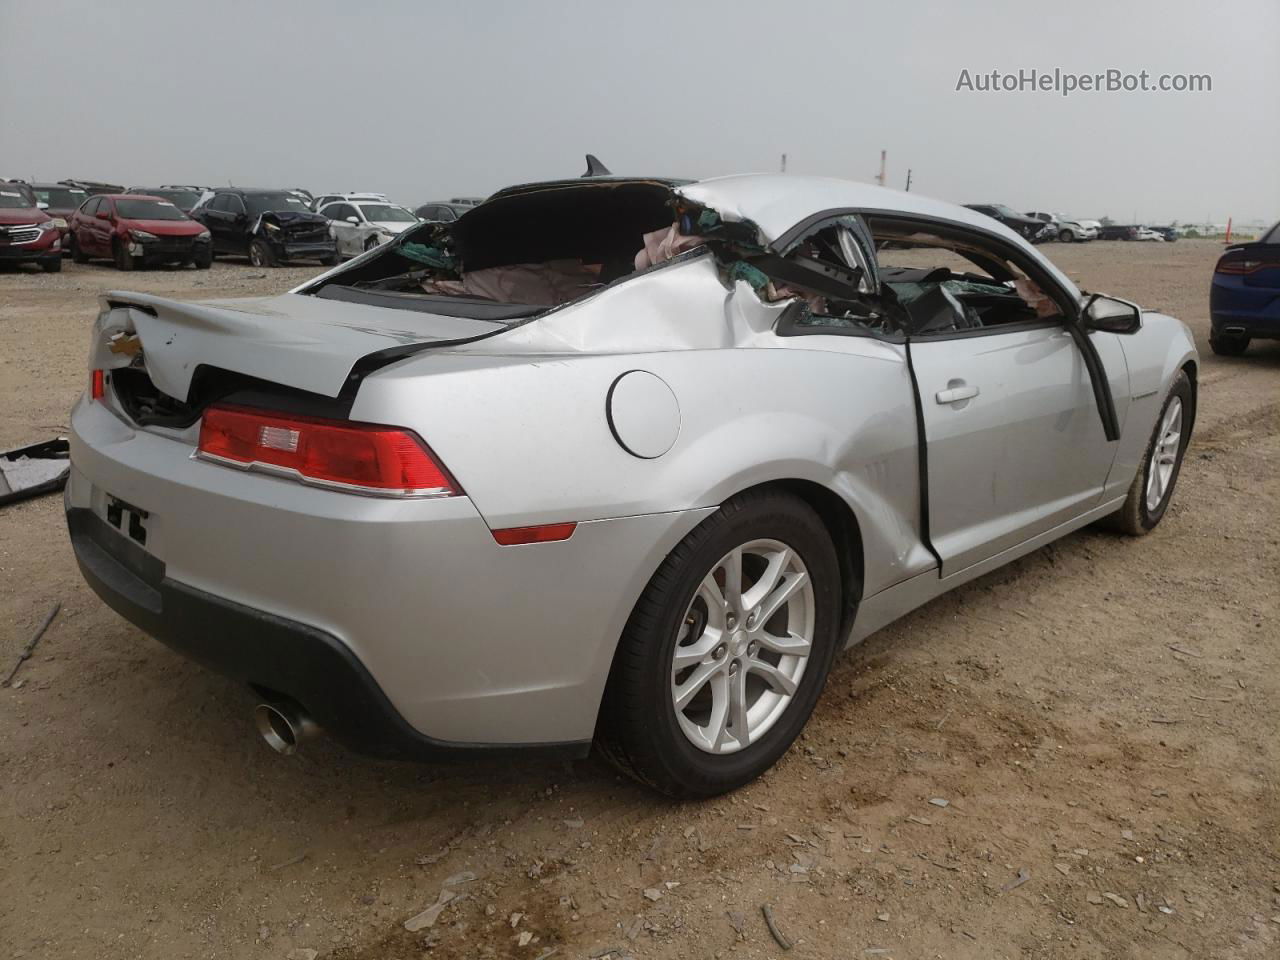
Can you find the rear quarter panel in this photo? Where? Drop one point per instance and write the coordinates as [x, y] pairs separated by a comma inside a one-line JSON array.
[[529, 440]]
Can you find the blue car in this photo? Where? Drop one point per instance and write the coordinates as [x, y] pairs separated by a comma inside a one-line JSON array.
[[1244, 300]]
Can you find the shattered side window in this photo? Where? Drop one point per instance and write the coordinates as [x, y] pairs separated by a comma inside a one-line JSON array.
[[947, 285]]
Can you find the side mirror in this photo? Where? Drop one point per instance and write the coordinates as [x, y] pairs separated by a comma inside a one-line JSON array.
[[1112, 315], [41, 205], [355, 220]]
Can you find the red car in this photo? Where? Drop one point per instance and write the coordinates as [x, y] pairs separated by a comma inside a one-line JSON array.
[[28, 234], [136, 231]]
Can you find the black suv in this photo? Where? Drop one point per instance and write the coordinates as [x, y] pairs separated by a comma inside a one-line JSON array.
[[270, 227], [1026, 227]]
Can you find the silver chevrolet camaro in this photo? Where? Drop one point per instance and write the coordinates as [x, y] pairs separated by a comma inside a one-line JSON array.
[[611, 460]]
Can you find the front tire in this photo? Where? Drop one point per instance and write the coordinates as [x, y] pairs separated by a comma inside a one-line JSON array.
[[52, 264], [260, 254], [1152, 487], [123, 259], [1066, 236], [77, 254], [727, 650], [203, 260]]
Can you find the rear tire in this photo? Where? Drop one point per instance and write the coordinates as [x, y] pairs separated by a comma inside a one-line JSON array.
[[1225, 345], [1150, 494], [643, 731]]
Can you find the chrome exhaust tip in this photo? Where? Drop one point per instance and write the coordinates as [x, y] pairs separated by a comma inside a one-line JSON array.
[[283, 726]]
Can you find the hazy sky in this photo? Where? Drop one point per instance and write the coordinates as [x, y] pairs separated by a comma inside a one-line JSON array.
[[428, 100]]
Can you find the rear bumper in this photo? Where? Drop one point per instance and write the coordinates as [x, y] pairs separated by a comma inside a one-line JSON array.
[[1237, 309], [406, 611], [275, 655]]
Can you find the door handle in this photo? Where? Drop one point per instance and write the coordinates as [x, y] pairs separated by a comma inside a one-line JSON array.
[[954, 394]]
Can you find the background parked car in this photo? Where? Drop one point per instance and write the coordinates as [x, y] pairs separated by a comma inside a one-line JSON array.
[[1065, 229], [446, 211], [1170, 234], [267, 226], [358, 226], [324, 199], [1146, 233], [1244, 298], [136, 230], [1115, 231], [27, 233], [1026, 227], [184, 198]]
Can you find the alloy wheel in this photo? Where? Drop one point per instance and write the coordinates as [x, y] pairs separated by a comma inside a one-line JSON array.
[[1164, 455], [743, 646]]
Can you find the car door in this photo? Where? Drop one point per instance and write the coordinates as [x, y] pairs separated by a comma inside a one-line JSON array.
[[343, 232], [236, 225], [103, 225], [1014, 443], [82, 225], [214, 216]]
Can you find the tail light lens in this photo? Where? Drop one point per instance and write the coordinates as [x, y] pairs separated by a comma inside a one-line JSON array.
[[353, 457], [98, 385], [1239, 266]]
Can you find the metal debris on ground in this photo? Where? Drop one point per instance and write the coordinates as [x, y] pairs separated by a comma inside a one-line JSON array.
[[739, 923], [1023, 876], [429, 916], [778, 936], [292, 861], [25, 655], [939, 802]]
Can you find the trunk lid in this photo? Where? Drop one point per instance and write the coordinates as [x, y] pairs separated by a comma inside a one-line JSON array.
[[306, 343]]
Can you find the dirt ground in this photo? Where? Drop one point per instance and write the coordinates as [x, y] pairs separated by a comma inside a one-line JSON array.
[[1101, 719]]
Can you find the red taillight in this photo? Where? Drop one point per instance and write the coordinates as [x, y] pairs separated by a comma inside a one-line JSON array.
[[547, 533], [1242, 265], [97, 385], [359, 457]]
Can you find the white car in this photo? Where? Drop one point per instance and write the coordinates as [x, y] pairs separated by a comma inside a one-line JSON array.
[[1146, 233], [1068, 229], [362, 225]]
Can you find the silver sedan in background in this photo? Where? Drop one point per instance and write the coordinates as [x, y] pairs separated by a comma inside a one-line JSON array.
[[361, 225], [623, 461]]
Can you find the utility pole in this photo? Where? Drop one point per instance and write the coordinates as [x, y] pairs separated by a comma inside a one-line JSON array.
[[908, 189], [784, 163], [880, 175]]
